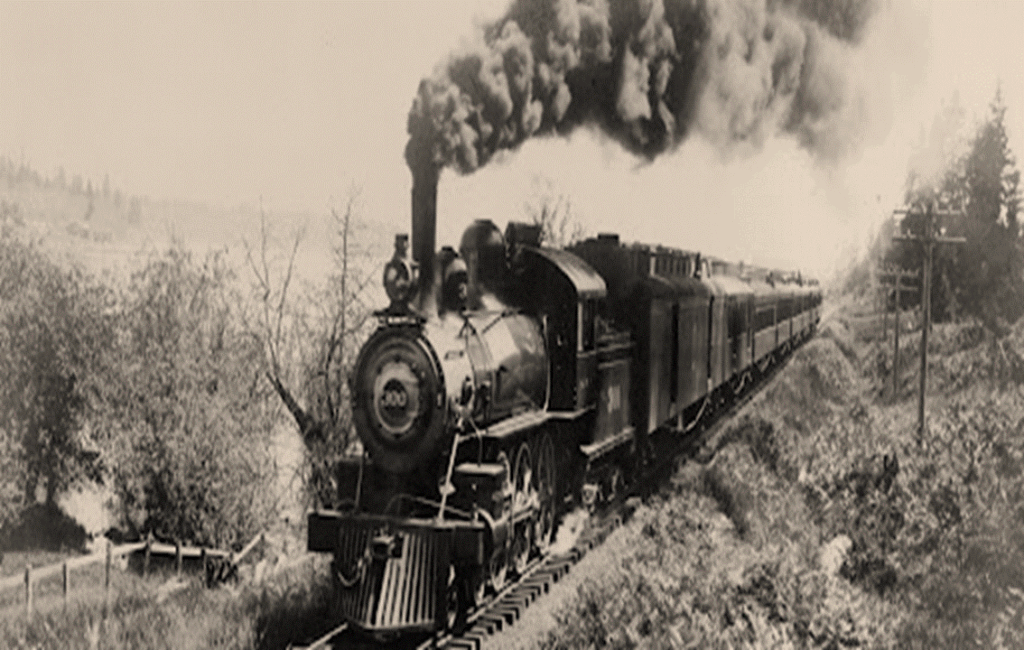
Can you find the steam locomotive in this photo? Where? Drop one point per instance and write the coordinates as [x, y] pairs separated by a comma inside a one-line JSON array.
[[509, 382]]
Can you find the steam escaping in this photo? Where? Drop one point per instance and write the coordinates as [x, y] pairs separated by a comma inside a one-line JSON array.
[[648, 73], [569, 531]]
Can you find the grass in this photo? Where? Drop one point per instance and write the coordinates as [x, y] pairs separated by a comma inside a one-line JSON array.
[[15, 561], [291, 607], [85, 582]]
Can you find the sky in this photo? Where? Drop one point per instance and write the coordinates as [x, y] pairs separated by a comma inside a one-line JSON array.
[[294, 104]]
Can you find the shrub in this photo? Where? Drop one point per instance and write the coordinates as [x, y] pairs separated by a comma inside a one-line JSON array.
[[186, 412]]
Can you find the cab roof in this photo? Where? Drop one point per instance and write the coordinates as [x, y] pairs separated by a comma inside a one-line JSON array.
[[582, 276]]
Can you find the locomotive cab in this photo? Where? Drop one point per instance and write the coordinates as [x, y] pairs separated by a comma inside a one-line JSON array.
[[568, 306]]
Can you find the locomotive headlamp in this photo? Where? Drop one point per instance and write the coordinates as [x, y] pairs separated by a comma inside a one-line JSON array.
[[398, 280], [399, 273]]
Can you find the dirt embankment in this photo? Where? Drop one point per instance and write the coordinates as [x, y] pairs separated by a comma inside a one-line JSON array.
[[825, 520]]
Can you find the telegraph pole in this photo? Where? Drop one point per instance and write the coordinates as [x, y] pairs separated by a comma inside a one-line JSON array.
[[898, 274], [928, 239]]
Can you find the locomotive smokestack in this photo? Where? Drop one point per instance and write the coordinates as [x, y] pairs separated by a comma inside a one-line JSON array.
[[426, 171], [424, 222]]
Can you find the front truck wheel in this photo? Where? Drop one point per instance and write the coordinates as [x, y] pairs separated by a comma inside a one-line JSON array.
[[458, 600]]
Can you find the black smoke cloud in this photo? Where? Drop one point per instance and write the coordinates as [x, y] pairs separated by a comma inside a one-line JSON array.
[[648, 73]]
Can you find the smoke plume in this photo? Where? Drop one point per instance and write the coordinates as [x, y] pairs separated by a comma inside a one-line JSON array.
[[648, 73]]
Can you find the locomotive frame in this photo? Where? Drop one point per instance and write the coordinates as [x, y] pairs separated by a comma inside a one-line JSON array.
[[510, 382]]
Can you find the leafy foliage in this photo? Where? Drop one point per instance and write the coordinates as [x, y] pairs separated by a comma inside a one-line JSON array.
[[52, 323], [12, 478], [825, 521], [188, 421], [157, 384]]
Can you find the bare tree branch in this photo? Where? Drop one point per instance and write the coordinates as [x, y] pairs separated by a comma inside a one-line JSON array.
[[274, 310], [554, 214]]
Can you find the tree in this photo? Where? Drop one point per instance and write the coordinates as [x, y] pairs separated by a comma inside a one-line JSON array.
[[553, 212], [311, 344], [991, 285], [12, 477], [52, 322], [984, 278]]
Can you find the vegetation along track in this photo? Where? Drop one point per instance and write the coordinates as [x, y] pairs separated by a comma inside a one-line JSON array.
[[486, 624]]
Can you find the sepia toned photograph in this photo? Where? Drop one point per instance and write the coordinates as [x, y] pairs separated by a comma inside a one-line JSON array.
[[511, 324]]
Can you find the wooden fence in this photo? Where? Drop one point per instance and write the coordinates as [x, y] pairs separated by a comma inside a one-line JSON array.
[[217, 565]]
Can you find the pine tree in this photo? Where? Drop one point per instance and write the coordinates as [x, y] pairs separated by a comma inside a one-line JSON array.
[[991, 285], [984, 278]]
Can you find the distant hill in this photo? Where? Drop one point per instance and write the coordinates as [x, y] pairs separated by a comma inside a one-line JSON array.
[[103, 228], [93, 224]]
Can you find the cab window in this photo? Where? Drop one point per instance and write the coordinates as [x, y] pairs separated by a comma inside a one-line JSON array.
[[585, 313]]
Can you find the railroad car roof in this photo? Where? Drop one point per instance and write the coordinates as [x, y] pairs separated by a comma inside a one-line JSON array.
[[764, 289], [728, 286], [678, 286]]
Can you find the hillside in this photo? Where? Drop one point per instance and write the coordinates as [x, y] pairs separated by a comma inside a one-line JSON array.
[[823, 521]]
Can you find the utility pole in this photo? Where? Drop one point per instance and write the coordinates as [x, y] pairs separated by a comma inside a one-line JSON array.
[[884, 297], [928, 239], [897, 275]]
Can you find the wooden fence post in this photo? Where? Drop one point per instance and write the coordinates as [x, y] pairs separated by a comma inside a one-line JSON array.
[[28, 591], [227, 568], [109, 563], [177, 558], [145, 557], [106, 579], [206, 573], [66, 581]]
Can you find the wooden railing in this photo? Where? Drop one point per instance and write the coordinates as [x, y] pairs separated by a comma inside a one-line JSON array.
[[33, 575], [217, 565]]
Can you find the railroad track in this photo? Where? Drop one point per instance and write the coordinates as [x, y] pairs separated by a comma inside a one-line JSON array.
[[508, 606], [505, 608]]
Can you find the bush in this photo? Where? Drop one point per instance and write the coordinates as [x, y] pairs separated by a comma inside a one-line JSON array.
[[187, 414], [44, 526]]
